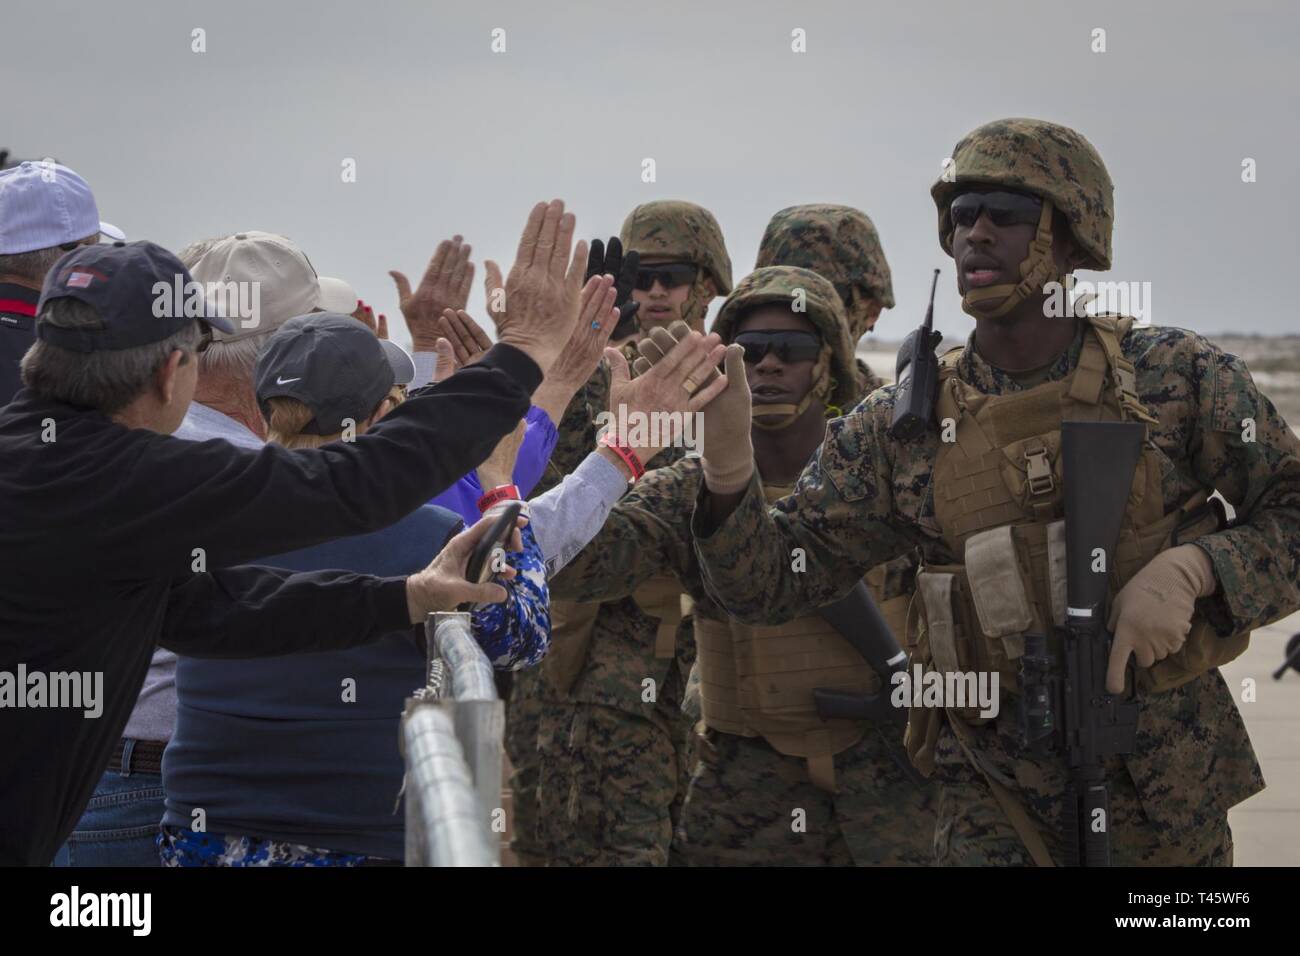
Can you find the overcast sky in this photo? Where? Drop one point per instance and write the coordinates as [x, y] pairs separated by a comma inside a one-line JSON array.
[[451, 137]]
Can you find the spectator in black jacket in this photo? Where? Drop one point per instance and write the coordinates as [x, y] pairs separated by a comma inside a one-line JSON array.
[[114, 536]]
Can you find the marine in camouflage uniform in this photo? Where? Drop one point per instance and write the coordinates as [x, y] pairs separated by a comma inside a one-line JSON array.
[[596, 734], [750, 803], [839, 243], [868, 497]]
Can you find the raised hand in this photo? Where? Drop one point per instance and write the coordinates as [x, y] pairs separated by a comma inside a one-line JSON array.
[[366, 316], [728, 458], [623, 268], [597, 319], [445, 365], [541, 295], [445, 285], [671, 385], [467, 338]]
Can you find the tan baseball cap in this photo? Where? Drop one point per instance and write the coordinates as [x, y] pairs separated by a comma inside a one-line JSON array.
[[258, 280]]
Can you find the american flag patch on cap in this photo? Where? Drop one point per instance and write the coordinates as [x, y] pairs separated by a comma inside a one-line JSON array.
[[79, 280]]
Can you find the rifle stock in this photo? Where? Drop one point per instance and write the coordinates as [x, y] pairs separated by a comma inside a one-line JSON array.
[[856, 618]]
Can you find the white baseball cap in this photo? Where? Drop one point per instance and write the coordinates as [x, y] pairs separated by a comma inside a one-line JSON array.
[[337, 296], [43, 205]]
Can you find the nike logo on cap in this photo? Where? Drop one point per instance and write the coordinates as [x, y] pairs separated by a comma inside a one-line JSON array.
[[286, 381]]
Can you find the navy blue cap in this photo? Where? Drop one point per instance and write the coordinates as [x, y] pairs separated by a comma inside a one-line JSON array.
[[332, 364], [141, 291]]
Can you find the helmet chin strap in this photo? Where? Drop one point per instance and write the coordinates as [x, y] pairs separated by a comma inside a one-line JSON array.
[[1037, 269], [788, 413], [695, 305]]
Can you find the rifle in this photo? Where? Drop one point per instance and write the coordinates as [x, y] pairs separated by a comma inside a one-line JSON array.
[[856, 618], [1069, 704], [915, 376]]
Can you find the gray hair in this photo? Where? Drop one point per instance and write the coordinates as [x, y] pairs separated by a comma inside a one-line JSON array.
[[107, 380], [197, 250], [31, 267]]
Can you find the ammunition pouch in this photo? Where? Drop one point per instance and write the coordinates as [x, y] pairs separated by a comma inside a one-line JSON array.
[[998, 501]]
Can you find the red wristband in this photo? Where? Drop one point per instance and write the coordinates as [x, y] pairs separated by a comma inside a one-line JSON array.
[[500, 493], [610, 441]]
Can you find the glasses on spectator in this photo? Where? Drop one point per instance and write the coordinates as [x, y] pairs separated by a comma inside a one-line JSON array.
[[669, 274], [205, 338], [1004, 209], [790, 345]]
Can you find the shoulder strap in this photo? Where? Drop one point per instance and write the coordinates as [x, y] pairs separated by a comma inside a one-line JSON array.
[[1110, 331]]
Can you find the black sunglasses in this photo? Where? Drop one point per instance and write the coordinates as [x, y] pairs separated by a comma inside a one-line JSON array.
[[1004, 209], [670, 274], [790, 345], [205, 338]]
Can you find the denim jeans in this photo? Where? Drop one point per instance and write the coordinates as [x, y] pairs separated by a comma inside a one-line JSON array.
[[121, 823]]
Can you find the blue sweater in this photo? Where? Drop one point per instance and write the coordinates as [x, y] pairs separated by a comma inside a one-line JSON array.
[[305, 748]]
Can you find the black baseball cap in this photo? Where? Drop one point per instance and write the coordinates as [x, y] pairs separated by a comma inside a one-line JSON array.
[[141, 291], [332, 364]]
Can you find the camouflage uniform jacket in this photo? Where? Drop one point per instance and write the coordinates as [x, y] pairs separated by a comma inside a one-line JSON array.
[[621, 654], [867, 498], [868, 381]]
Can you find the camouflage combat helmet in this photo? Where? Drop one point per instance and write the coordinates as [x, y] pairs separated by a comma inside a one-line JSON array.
[[1043, 158], [838, 242], [835, 375], [681, 229], [1052, 162]]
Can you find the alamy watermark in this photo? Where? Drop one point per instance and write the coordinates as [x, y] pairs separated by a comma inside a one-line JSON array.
[[1077, 298], [955, 689], [658, 429], [194, 299], [78, 690]]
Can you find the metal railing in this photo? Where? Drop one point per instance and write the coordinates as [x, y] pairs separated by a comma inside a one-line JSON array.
[[451, 738]]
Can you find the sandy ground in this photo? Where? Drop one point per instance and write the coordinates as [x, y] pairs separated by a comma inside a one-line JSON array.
[[1266, 828]]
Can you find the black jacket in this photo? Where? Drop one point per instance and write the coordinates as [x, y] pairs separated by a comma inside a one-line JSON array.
[[103, 528]]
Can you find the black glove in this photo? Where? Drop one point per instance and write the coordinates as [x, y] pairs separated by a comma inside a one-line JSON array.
[[612, 262]]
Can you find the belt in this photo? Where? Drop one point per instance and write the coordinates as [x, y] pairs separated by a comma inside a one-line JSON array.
[[139, 756]]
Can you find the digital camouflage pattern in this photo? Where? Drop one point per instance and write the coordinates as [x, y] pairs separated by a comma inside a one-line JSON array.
[[838, 242], [1042, 158], [523, 711], [835, 379], [866, 498], [648, 534], [748, 805], [613, 677], [683, 230], [868, 381], [608, 786]]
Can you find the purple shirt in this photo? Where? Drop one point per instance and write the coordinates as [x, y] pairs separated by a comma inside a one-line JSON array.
[[534, 453]]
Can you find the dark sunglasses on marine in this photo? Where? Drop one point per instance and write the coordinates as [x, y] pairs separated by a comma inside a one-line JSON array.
[[790, 345], [1003, 209], [669, 274]]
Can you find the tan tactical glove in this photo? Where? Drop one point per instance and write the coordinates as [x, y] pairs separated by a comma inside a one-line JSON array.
[[1152, 614], [728, 457]]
